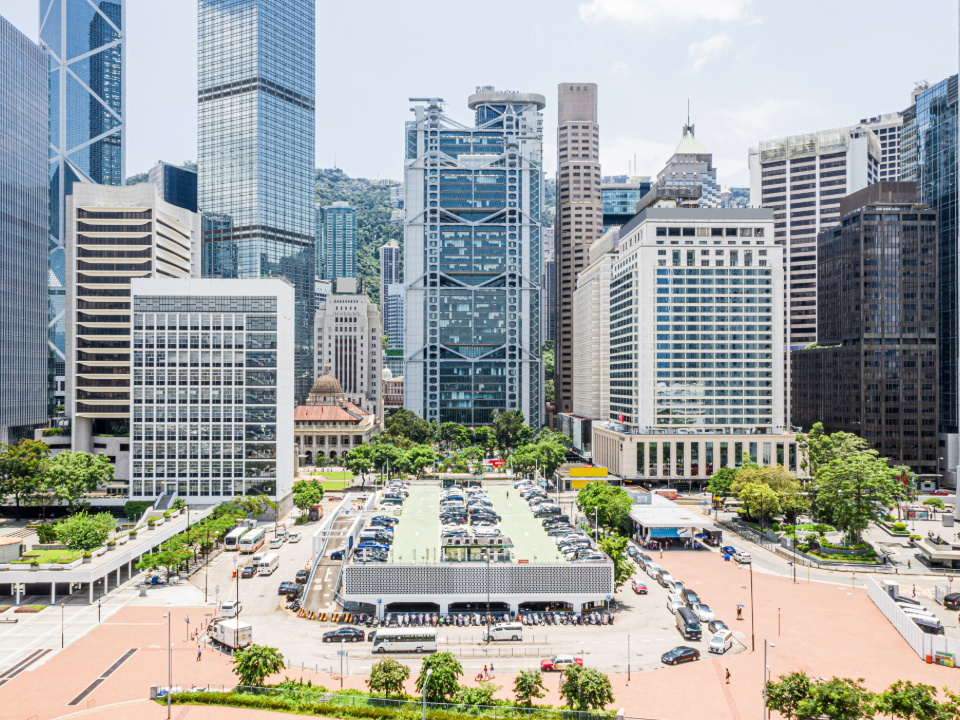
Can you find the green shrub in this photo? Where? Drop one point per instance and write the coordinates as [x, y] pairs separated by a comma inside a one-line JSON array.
[[166, 515], [776, 527], [47, 532], [54, 432], [889, 518], [134, 509], [936, 502], [899, 527], [88, 556], [914, 537]]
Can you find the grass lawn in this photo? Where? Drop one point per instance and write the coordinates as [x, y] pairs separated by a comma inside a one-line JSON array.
[[329, 485], [50, 556], [812, 527], [338, 475]]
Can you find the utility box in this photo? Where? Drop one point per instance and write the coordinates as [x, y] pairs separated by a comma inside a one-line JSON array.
[[891, 588], [10, 549]]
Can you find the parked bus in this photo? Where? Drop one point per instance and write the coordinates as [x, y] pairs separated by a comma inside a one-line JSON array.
[[232, 540], [253, 540], [405, 639]]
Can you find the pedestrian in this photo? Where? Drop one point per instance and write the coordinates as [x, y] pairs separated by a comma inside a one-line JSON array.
[[728, 676], [199, 651], [661, 551], [908, 565], [486, 673], [914, 590], [491, 669], [560, 682], [739, 613]]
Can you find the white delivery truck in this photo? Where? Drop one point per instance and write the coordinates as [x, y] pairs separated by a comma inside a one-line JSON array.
[[269, 563], [234, 634]]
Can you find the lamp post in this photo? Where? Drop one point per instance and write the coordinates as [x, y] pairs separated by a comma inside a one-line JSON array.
[[486, 557], [628, 658], [596, 525], [766, 710], [62, 632], [753, 644], [169, 662], [427, 680]]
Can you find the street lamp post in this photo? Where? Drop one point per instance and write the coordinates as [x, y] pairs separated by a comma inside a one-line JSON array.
[[62, 632], [766, 710], [487, 558], [427, 680], [169, 661], [628, 658], [753, 644]]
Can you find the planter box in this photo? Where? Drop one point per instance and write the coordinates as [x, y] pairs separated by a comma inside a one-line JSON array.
[[174, 513], [86, 560], [111, 548], [122, 540]]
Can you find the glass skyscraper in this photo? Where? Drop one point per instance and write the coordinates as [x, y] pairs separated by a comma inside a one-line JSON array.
[[84, 43], [256, 63], [24, 219], [338, 235], [473, 259], [928, 156]]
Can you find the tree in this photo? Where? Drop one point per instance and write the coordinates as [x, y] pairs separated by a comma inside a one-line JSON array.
[[907, 701], [71, 475], [528, 686], [386, 457], [387, 676], [405, 423], [255, 664], [616, 549], [453, 433], [416, 460], [480, 695], [586, 688], [818, 449], [777, 477], [485, 438], [21, 468], [510, 431], [85, 532], [721, 482], [359, 461], [759, 500], [445, 680], [785, 696], [547, 435], [855, 489], [837, 699], [306, 494]]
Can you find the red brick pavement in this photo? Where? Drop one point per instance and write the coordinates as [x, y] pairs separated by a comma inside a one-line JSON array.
[[825, 629]]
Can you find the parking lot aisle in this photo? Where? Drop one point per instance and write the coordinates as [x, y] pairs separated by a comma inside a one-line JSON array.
[[417, 535], [530, 540]]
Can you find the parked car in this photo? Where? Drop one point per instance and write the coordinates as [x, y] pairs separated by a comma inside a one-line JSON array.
[[248, 572], [678, 587], [702, 611], [689, 597], [728, 550], [721, 641], [951, 601], [276, 542], [664, 578], [674, 603], [680, 654], [742, 558], [560, 662], [296, 591], [302, 576], [294, 537], [284, 586], [634, 553], [716, 626], [638, 587], [344, 634], [939, 492], [336, 555]]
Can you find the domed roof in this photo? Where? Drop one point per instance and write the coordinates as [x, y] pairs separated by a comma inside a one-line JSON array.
[[387, 374], [326, 385]]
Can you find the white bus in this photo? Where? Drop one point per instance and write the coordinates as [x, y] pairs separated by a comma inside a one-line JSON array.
[[268, 564], [405, 639], [252, 540], [232, 540]]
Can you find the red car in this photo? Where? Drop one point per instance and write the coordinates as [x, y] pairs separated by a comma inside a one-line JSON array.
[[638, 588], [559, 663], [939, 492]]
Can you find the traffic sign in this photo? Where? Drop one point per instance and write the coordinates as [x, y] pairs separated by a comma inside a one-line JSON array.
[[216, 588]]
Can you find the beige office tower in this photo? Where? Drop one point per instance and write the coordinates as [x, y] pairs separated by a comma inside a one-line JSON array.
[[579, 217]]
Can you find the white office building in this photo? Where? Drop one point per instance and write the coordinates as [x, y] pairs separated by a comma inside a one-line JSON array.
[[393, 316], [348, 334], [887, 127], [802, 179], [692, 165], [213, 388]]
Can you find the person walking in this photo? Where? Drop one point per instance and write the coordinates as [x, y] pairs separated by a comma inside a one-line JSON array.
[[491, 670], [486, 673], [728, 676], [199, 652], [739, 613]]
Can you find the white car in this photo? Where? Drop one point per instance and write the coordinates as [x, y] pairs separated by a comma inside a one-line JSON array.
[[294, 537], [276, 542], [702, 611], [674, 602], [741, 557]]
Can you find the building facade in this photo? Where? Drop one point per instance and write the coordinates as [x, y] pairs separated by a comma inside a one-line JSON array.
[[256, 136], [591, 328], [87, 124], [25, 396], [177, 185], [620, 196], [392, 393], [117, 235], [692, 165], [390, 255], [928, 157], [874, 373], [888, 128], [696, 326], [802, 179], [393, 315], [348, 336], [338, 233], [472, 260], [549, 284], [226, 429], [579, 217], [330, 425]]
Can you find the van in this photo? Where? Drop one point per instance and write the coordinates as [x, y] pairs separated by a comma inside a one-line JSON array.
[[928, 627], [269, 564], [281, 532], [230, 608], [721, 642], [257, 557], [276, 542], [688, 624], [505, 631], [652, 569]]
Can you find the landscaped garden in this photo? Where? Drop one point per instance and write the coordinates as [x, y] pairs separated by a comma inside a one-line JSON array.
[[49, 557]]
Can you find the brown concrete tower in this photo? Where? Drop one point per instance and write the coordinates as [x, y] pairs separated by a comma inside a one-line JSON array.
[[579, 217]]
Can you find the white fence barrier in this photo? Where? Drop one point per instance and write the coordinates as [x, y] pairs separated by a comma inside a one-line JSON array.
[[941, 649]]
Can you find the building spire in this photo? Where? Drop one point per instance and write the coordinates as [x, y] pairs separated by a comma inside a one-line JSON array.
[[688, 128]]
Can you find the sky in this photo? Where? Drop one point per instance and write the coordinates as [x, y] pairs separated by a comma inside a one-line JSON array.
[[751, 69]]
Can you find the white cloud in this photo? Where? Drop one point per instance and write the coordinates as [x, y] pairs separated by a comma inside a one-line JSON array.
[[650, 13], [618, 68], [707, 49]]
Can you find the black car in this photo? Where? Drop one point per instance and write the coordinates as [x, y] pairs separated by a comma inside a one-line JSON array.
[[689, 597], [248, 572], [560, 529], [284, 586], [680, 654], [716, 625], [302, 576], [336, 555], [295, 591], [384, 520], [951, 601], [344, 634]]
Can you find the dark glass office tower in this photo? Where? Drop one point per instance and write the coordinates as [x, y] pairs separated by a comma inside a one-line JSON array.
[[256, 141], [874, 372], [175, 185], [928, 157], [24, 219], [85, 45]]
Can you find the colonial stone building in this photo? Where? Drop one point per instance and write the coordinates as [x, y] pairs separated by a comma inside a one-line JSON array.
[[330, 424]]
